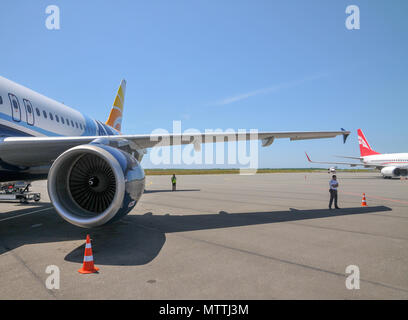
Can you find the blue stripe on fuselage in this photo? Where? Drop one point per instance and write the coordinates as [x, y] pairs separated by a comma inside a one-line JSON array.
[[6, 131], [25, 125], [11, 132], [91, 125]]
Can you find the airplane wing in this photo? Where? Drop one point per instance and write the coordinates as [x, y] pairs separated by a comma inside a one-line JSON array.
[[36, 151], [347, 157], [343, 163]]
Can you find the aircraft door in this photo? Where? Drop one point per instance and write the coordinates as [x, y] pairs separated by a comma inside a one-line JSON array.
[[15, 107], [29, 112]]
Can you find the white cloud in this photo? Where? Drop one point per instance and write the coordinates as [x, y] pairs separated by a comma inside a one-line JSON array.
[[271, 89]]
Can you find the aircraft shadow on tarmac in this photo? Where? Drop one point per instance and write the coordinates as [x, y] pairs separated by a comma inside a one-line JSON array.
[[362, 178], [138, 239], [22, 209], [168, 190]]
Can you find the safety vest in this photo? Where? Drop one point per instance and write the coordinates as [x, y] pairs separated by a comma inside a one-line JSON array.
[[173, 180]]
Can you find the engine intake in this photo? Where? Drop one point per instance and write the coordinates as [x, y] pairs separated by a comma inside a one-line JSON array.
[[91, 185], [391, 172]]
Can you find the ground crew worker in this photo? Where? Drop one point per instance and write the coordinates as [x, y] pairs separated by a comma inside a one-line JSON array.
[[173, 182], [333, 192]]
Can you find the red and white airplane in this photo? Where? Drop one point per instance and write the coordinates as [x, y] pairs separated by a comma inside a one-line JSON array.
[[392, 165]]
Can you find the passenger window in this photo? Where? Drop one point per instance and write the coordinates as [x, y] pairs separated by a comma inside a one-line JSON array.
[[45, 114]]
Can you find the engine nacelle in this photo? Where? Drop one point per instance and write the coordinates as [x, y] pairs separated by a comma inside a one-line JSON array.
[[91, 185], [394, 172]]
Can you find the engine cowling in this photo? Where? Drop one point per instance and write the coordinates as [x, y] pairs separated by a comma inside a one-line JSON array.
[[394, 172], [91, 185]]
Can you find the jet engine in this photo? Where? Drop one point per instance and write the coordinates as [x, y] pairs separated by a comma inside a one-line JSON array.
[[91, 185], [394, 172]]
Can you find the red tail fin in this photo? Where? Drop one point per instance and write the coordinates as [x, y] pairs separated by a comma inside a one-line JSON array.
[[365, 149]]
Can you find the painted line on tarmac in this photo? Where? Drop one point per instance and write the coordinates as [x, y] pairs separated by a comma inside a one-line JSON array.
[[25, 214], [294, 263], [368, 196], [376, 197]]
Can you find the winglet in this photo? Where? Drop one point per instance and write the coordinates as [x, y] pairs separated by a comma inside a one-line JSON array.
[[307, 156], [345, 135]]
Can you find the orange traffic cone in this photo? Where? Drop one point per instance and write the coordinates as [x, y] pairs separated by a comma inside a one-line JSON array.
[[364, 202], [88, 266]]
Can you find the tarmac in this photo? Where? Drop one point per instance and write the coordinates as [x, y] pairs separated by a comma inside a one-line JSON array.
[[264, 236]]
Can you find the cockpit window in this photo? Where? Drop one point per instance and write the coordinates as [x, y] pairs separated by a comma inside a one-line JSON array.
[[1, 100], [45, 114]]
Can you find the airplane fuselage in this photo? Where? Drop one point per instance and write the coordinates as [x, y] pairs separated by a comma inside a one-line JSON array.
[[26, 113], [387, 159]]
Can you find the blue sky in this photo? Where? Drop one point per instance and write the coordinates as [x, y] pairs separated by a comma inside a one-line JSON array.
[[269, 65]]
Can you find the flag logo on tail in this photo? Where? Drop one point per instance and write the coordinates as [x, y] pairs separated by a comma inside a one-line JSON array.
[[365, 149], [363, 143]]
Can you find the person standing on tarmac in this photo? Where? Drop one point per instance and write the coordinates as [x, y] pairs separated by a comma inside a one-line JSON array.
[[173, 182], [333, 192]]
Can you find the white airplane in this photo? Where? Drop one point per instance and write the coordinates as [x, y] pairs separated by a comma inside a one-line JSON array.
[[392, 165], [93, 171], [332, 170]]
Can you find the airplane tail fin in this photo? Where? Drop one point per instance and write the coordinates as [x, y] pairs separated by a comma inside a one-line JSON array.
[[365, 149], [115, 116]]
